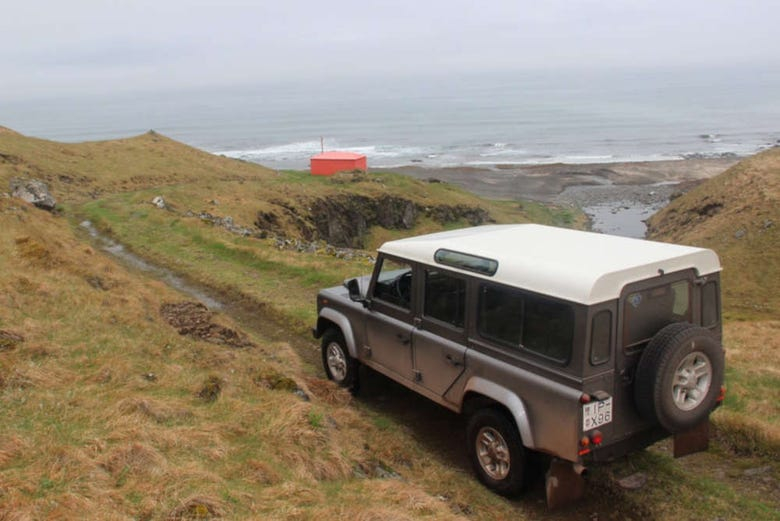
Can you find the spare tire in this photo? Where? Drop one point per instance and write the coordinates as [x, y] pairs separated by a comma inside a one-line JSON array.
[[679, 376]]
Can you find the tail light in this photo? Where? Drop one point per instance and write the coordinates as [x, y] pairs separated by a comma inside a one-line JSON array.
[[595, 438]]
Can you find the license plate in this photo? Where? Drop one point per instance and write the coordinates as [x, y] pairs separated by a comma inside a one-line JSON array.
[[596, 414]]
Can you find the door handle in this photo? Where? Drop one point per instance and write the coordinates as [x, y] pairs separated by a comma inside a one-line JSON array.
[[405, 340], [453, 361]]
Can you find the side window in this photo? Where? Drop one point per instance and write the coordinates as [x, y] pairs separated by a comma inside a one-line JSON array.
[[548, 328], [709, 304], [500, 313], [445, 298], [647, 311], [600, 337], [394, 283], [534, 323]]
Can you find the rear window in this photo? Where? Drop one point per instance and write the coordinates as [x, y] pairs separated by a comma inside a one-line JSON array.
[[601, 337], [525, 321], [647, 311], [709, 305]]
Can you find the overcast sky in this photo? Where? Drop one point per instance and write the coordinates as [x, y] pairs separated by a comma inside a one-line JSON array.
[[98, 46]]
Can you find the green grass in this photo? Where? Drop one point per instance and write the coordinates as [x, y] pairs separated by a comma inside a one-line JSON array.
[[283, 282], [84, 431]]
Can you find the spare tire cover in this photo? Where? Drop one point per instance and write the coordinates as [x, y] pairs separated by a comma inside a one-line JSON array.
[[679, 376]]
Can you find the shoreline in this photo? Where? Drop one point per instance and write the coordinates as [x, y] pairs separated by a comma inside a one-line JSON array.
[[617, 197], [546, 183]]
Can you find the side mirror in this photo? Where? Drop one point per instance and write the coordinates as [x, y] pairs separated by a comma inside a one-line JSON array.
[[354, 291]]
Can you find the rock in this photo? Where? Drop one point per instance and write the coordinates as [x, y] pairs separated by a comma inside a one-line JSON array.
[[33, 191], [634, 481], [758, 471], [768, 223], [159, 202], [300, 393], [740, 233]]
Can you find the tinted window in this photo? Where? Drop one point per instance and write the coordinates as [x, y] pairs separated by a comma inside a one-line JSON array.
[[648, 311], [465, 261], [500, 314], [600, 337], [709, 304], [526, 321], [394, 283], [548, 327], [445, 297]]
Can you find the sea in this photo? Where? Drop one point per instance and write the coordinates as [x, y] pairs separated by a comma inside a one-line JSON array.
[[440, 120]]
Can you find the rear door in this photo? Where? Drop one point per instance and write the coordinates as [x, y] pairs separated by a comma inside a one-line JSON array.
[[645, 308], [440, 339]]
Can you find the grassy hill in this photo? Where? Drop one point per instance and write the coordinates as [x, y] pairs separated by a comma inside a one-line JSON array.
[[738, 215], [80, 171], [122, 398]]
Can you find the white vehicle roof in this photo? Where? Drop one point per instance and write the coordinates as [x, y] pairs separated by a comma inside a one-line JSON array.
[[578, 266]]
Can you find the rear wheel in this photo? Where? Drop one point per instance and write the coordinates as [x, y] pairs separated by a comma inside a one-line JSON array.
[[339, 365], [496, 451]]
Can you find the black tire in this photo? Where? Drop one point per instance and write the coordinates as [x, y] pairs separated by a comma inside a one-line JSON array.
[[338, 364], [496, 451], [679, 376]]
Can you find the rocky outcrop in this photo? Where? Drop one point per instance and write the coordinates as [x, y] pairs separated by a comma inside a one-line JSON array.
[[33, 191], [344, 221]]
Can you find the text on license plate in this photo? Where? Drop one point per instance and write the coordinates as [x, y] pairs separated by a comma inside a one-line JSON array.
[[596, 414]]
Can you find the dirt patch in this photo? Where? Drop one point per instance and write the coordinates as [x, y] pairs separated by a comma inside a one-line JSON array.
[[195, 320], [196, 508], [9, 340], [211, 389]]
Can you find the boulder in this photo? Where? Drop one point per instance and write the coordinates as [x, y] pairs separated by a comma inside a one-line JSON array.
[[33, 191]]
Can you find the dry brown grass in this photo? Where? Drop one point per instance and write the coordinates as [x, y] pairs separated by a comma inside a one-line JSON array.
[[100, 399], [80, 171], [738, 215], [102, 414], [750, 421]]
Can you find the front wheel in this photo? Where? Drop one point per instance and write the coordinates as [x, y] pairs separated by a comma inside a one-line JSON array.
[[339, 365], [496, 452]]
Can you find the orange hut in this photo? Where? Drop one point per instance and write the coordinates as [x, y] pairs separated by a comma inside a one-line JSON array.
[[328, 163]]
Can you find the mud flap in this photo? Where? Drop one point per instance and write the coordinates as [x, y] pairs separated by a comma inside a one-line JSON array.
[[693, 440], [564, 483]]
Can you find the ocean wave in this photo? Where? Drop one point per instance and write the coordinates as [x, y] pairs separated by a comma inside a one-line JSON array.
[[298, 148], [296, 154]]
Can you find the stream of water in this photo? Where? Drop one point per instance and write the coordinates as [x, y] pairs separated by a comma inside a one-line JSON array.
[[119, 251]]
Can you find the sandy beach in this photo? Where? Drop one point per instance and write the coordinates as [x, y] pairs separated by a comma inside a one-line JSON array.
[[617, 197]]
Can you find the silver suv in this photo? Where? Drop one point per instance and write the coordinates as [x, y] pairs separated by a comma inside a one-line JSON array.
[[578, 345]]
